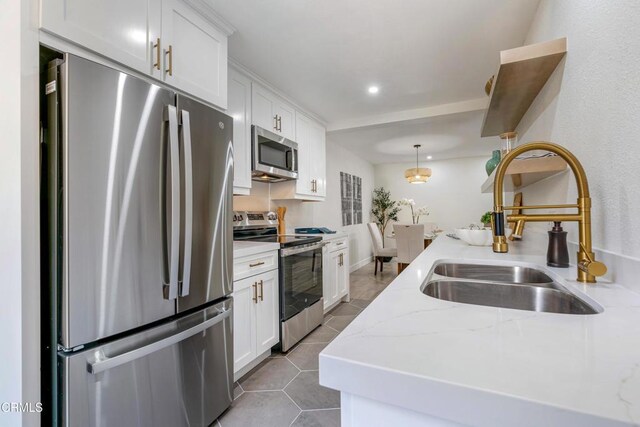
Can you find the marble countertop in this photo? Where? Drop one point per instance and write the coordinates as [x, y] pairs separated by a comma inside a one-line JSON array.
[[242, 248], [487, 366]]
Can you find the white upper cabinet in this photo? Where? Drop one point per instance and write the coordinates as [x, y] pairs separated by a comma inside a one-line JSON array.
[[239, 107], [123, 30], [165, 39], [195, 53], [271, 113], [318, 160], [312, 182]]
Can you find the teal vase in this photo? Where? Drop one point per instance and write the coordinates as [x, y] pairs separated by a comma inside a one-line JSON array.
[[493, 162]]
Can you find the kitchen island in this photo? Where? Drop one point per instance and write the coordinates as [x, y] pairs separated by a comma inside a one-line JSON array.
[[413, 360]]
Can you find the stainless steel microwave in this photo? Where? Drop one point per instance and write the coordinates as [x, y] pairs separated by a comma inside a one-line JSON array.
[[274, 158]]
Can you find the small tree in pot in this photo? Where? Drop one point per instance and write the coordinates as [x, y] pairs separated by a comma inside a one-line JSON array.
[[383, 209]]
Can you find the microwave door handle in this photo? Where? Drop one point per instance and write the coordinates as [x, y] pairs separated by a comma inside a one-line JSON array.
[[288, 159], [188, 201], [171, 290]]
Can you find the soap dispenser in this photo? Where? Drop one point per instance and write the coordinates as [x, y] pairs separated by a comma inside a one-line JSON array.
[[557, 253]]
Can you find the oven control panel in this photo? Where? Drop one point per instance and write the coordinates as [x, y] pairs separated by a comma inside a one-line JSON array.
[[253, 219]]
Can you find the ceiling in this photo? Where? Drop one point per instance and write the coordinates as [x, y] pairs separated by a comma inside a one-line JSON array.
[[421, 53], [442, 137]]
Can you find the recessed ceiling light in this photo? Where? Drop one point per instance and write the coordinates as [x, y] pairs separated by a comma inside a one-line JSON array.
[[373, 90], [429, 157]]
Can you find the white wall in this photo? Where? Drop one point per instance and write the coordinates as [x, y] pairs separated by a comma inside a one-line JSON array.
[[591, 105], [19, 258], [327, 213], [452, 194]]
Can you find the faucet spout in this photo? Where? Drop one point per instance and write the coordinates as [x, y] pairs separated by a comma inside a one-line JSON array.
[[588, 267]]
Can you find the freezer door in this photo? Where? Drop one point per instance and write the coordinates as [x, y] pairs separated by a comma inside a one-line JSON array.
[[178, 374], [207, 198], [118, 168]]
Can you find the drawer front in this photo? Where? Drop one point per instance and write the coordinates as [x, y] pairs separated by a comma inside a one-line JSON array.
[[337, 244], [254, 264]]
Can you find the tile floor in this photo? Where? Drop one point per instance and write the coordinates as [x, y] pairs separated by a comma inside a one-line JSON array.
[[284, 390]]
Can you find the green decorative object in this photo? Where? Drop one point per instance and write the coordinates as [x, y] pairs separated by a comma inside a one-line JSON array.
[[493, 162]]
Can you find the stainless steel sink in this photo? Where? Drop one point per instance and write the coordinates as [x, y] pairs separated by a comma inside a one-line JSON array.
[[494, 273], [507, 286]]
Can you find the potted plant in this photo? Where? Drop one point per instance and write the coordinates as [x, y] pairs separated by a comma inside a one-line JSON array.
[[383, 210], [416, 213], [486, 219]]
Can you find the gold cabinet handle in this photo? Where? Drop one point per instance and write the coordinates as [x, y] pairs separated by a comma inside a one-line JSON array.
[[170, 53], [256, 264], [261, 290], [255, 292], [156, 46]]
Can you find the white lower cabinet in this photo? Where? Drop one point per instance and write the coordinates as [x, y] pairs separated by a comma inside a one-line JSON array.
[[336, 272], [255, 317]]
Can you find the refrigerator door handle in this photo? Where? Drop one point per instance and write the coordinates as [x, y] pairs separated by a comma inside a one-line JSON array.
[[188, 202], [102, 363], [171, 290]]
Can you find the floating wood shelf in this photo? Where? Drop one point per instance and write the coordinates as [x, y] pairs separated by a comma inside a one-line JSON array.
[[523, 172], [522, 74]]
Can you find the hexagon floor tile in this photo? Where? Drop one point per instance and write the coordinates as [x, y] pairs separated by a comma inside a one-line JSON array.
[[305, 356], [272, 374], [307, 392], [321, 418], [260, 409]]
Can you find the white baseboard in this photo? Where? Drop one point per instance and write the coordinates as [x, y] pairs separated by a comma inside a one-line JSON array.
[[360, 264]]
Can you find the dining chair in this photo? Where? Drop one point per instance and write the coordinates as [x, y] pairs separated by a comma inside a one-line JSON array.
[[410, 243], [379, 251]]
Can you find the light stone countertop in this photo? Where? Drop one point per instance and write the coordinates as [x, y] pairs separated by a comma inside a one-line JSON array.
[[487, 366], [243, 248]]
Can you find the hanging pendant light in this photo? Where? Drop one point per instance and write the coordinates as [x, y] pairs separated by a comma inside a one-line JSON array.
[[417, 175]]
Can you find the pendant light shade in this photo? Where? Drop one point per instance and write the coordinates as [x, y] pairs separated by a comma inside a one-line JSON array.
[[417, 175]]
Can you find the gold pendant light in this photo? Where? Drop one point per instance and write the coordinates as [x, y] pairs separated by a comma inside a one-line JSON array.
[[417, 175]]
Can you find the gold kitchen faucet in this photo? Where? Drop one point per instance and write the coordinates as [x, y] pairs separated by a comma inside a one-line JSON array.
[[588, 267]]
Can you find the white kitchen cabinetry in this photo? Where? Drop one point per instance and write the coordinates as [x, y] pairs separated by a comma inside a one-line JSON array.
[[195, 53], [255, 316], [336, 272], [239, 108], [123, 30], [270, 112], [312, 176], [165, 39]]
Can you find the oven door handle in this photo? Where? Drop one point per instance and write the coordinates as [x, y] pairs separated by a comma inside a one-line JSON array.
[[298, 250]]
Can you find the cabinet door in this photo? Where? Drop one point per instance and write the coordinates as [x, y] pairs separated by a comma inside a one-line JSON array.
[[304, 183], [335, 275], [239, 108], [244, 320], [342, 277], [286, 119], [267, 311], [318, 154], [262, 107], [195, 53], [122, 30]]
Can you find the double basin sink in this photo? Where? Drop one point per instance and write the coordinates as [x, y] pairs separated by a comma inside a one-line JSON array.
[[506, 286]]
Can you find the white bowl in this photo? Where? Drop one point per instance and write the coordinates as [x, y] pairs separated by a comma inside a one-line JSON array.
[[475, 237]]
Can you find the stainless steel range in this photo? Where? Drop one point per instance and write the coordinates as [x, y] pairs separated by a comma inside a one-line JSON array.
[[300, 273]]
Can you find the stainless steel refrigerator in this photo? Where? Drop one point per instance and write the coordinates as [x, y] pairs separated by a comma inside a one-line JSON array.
[[139, 197]]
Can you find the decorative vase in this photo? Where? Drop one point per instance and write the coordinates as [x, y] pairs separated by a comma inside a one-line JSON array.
[[493, 162]]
